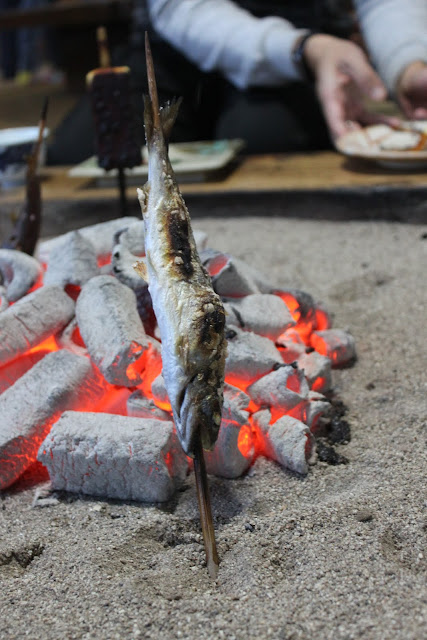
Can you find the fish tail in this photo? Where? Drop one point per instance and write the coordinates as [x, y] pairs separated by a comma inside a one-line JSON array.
[[157, 121]]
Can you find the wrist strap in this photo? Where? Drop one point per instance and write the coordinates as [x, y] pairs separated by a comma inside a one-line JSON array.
[[298, 57]]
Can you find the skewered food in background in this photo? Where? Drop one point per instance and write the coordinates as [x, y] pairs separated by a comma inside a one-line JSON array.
[[26, 231], [117, 139]]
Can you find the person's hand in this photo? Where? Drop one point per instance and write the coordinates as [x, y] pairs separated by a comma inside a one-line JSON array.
[[344, 79], [412, 90]]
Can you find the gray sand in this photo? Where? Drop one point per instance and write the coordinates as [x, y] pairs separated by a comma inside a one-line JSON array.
[[339, 554]]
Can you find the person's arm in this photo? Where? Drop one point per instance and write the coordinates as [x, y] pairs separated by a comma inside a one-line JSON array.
[[218, 35], [395, 32]]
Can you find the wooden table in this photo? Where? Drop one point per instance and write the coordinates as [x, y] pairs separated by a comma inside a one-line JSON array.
[[320, 185], [285, 173], [67, 13]]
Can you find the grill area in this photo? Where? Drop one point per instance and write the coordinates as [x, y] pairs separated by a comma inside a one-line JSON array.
[[300, 555]]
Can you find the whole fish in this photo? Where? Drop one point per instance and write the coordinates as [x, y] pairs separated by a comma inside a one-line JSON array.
[[189, 313]]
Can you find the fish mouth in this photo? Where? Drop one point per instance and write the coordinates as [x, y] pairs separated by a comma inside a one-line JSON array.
[[199, 415]]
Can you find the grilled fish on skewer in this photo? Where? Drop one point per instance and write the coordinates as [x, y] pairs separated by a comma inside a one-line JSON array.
[[189, 313]]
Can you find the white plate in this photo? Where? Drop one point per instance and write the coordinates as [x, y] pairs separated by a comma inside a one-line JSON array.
[[190, 160], [367, 143]]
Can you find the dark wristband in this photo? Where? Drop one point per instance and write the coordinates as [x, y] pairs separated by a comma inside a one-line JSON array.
[[298, 57]]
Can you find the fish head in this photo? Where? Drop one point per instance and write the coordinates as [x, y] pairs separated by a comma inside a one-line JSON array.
[[199, 414]]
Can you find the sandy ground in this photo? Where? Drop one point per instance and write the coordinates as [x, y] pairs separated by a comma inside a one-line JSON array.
[[339, 554]]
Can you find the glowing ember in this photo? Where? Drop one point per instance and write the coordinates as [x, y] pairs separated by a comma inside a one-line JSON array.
[[279, 364]]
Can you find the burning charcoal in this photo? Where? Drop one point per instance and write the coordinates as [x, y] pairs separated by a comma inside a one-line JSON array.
[[33, 319], [323, 317], [336, 344], [99, 235], [287, 441], [112, 330], [234, 449], [249, 356], [139, 406], [231, 277], [4, 302], [132, 238], [290, 349], [114, 456], [14, 370], [69, 338], [283, 389], [317, 370], [123, 262], [18, 273], [72, 261], [262, 313], [160, 395], [318, 411], [60, 381], [299, 302]]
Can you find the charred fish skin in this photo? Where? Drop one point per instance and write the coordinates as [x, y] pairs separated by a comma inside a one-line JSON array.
[[189, 313]]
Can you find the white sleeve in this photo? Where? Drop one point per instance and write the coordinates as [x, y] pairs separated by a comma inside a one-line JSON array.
[[395, 33], [219, 35]]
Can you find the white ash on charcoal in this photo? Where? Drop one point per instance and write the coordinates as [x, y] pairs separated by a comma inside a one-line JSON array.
[[10, 373], [69, 338], [113, 331], [284, 389], [114, 456], [290, 346], [4, 302], [132, 238], [288, 441], [99, 235], [262, 313], [60, 381], [71, 261], [317, 370], [250, 356], [297, 300], [335, 344], [18, 273], [234, 449], [231, 277], [32, 319], [122, 263], [139, 406], [318, 412], [160, 395]]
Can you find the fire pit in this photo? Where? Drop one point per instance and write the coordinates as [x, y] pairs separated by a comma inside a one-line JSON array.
[[80, 369]]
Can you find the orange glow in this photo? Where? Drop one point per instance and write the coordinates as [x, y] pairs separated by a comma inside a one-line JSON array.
[[114, 401], [319, 345], [293, 382], [103, 260], [319, 384], [166, 406], [323, 320], [37, 284], [153, 368], [73, 291], [235, 381], [291, 302], [47, 345], [217, 264], [245, 441]]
